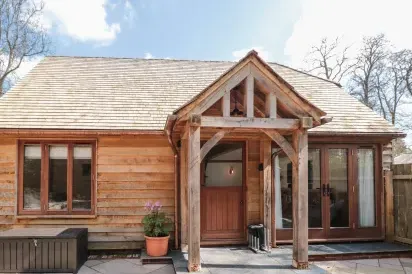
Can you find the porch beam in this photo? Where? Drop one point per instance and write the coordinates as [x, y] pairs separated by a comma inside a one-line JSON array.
[[282, 143], [246, 122], [300, 199], [211, 143], [193, 177], [250, 88], [266, 177]]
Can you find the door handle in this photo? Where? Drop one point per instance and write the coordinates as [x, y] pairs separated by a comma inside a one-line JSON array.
[[328, 189]]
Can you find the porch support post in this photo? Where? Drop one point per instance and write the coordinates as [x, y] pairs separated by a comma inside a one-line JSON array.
[[193, 177], [266, 147], [183, 195], [300, 199]]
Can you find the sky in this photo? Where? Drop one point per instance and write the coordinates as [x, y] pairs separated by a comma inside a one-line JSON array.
[[280, 30]]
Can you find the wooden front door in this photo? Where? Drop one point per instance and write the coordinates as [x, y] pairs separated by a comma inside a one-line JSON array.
[[222, 195]]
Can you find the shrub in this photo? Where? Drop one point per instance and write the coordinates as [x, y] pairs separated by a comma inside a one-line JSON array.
[[156, 223]]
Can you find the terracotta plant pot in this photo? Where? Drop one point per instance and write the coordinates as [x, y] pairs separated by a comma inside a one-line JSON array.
[[157, 246]]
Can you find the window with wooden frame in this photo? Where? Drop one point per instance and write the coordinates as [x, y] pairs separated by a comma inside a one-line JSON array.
[[56, 178]]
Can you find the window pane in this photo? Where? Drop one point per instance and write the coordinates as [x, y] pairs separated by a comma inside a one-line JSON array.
[[58, 177], [31, 177], [283, 192], [314, 189], [82, 179], [223, 165], [366, 183], [338, 180]]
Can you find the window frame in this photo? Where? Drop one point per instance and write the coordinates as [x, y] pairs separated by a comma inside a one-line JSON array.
[[44, 174], [354, 231]]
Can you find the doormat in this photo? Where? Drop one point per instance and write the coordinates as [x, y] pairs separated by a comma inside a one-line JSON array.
[[114, 254]]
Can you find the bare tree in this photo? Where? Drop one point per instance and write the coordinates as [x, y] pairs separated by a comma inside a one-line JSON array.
[[399, 147], [372, 54], [407, 64], [22, 36], [330, 60], [390, 80]]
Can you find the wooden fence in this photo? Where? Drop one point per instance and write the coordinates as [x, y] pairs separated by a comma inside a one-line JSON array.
[[401, 211]]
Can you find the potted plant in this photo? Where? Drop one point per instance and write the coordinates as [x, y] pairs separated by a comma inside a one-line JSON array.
[[156, 230]]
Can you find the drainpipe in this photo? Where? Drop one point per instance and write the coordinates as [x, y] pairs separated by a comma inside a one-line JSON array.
[[169, 131]]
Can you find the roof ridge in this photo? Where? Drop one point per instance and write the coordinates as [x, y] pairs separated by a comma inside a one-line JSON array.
[[138, 58], [191, 60]]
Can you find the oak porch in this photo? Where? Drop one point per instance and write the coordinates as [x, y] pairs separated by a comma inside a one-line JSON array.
[[297, 151], [270, 107]]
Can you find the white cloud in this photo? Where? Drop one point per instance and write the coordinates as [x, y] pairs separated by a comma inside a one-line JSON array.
[[84, 21], [263, 53], [148, 55], [351, 20]]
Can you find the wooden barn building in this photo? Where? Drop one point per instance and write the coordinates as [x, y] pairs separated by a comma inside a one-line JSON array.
[[86, 142]]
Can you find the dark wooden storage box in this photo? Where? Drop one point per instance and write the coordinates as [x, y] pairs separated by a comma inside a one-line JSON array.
[[43, 250]]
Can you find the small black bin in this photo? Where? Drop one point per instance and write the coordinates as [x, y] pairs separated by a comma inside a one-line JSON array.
[[257, 237], [43, 250]]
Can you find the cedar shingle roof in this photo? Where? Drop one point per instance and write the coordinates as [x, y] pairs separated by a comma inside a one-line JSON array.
[[138, 94]]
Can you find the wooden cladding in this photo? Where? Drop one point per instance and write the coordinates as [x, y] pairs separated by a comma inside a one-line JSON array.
[[129, 172]]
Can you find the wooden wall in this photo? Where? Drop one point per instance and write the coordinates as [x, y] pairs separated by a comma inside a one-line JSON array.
[[402, 202], [130, 172], [8, 158], [253, 184]]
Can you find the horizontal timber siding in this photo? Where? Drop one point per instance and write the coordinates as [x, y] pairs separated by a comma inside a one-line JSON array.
[[130, 172]]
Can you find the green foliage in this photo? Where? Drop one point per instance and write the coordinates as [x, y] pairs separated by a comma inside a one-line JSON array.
[[156, 223]]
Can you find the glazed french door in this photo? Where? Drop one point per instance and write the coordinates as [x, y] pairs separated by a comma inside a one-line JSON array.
[[338, 190], [316, 199], [343, 193]]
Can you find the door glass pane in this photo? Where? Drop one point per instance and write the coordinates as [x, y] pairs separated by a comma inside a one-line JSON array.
[[283, 191], [57, 177], [222, 166], [338, 182], [31, 177], [366, 184], [314, 189], [82, 180]]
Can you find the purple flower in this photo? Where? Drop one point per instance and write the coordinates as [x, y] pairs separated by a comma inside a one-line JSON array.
[[148, 206], [158, 205]]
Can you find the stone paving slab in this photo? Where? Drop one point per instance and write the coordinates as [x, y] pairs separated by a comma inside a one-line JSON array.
[[124, 266], [224, 260]]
